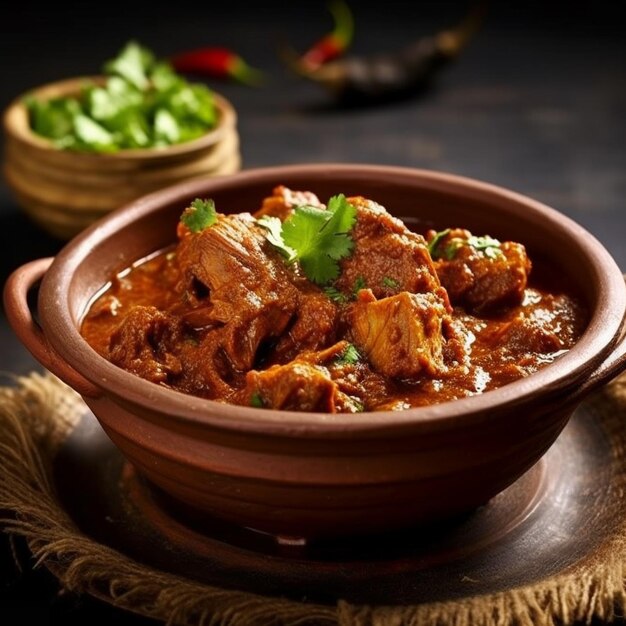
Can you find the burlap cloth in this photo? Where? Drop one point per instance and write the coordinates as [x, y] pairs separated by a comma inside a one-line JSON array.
[[37, 412]]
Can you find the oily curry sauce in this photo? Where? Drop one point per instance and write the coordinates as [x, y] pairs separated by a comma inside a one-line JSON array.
[[407, 321]]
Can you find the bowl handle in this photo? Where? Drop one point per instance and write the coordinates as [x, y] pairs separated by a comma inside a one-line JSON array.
[[613, 365], [21, 319]]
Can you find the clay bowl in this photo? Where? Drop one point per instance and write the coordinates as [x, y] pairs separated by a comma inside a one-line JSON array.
[[64, 191], [306, 474]]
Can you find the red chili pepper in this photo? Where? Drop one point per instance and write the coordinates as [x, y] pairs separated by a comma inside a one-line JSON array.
[[335, 43], [216, 63]]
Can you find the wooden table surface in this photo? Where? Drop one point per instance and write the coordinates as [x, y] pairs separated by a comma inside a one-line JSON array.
[[536, 103]]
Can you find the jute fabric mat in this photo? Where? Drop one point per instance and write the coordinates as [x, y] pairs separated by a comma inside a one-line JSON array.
[[38, 411]]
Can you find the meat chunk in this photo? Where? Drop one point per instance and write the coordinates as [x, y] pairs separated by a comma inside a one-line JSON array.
[[403, 335], [241, 284], [387, 258], [334, 379], [296, 386], [282, 201], [144, 344], [314, 326], [480, 273], [206, 367]]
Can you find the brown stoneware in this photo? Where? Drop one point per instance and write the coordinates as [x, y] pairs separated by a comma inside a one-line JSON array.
[[307, 474]]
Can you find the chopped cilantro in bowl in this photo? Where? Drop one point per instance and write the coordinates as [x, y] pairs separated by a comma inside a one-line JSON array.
[[141, 103]]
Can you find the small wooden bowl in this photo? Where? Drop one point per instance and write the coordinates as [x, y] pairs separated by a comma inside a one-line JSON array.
[[64, 191]]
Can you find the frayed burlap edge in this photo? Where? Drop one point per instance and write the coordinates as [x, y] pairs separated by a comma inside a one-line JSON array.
[[38, 411]]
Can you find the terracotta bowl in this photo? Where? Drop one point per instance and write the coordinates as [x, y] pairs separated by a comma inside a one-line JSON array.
[[307, 474], [65, 191]]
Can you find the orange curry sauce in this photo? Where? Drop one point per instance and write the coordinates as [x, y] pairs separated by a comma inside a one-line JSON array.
[[410, 320]]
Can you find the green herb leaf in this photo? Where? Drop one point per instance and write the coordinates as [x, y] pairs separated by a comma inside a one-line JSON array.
[[335, 295], [107, 103], [256, 400], [350, 356], [191, 103], [166, 127], [132, 64], [274, 235], [358, 405], [164, 78], [489, 246], [320, 237], [93, 135], [434, 244], [359, 284], [199, 215], [143, 104], [52, 118], [391, 283]]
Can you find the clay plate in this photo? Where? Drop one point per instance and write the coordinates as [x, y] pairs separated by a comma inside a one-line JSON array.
[[548, 520]]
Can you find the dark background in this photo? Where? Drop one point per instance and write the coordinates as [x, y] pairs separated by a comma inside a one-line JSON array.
[[536, 103]]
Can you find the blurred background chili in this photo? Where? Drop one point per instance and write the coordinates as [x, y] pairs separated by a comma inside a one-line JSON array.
[[334, 44], [363, 80], [220, 63]]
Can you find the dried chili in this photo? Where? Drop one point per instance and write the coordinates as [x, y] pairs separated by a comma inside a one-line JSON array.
[[334, 44], [362, 80], [216, 63]]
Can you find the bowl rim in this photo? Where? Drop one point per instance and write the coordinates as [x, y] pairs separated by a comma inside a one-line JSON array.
[[551, 382], [15, 124]]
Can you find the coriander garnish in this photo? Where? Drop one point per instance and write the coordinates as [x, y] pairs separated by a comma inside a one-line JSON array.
[[256, 400], [392, 283], [316, 238], [199, 215], [359, 284], [275, 236], [489, 246], [350, 356], [335, 295], [142, 103], [434, 244]]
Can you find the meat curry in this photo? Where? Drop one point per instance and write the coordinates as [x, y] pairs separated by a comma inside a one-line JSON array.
[[336, 308]]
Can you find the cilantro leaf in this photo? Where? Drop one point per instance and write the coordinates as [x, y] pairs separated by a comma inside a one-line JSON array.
[[320, 237], [132, 64], [301, 230], [114, 99], [199, 215], [357, 405], [93, 135], [359, 284], [452, 247], [350, 356], [274, 235], [335, 295], [341, 298], [256, 400], [52, 118], [392, 283], [489, 246], [164, 78], [143, 104], [166, 127], [343, 214], [434, 244]]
